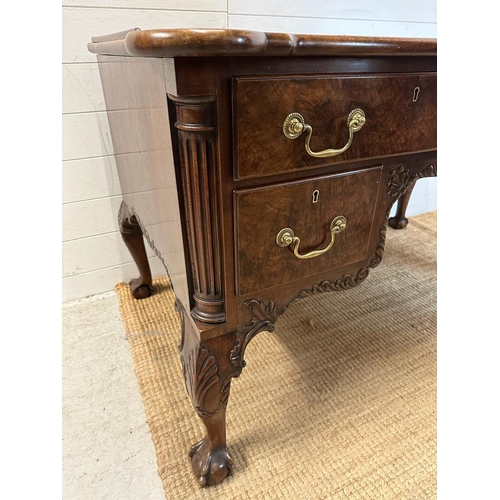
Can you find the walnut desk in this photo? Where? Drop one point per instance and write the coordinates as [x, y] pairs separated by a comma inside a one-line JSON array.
[[261, 168]]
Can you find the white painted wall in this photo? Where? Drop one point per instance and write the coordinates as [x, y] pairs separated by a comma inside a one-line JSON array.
[[94, 257]]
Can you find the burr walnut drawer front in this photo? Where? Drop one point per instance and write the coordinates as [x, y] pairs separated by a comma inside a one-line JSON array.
[[292, 230], [331, 119]]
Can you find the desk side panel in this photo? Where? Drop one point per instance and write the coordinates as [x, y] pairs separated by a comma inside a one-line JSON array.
[[136, 104]]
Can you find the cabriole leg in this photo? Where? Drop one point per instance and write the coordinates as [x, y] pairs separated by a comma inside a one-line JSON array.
[[208, 372], [399, 221], [132, 236]]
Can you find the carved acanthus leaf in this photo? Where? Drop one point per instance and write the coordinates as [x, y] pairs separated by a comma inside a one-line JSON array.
[[398, 181], [264, 312], [428, 171], [263, 315]]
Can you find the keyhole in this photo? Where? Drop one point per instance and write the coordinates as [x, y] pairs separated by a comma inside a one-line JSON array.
[[315, 196], [415, 94]]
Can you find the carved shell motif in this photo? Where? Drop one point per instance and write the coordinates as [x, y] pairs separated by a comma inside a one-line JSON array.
[[200, 373]]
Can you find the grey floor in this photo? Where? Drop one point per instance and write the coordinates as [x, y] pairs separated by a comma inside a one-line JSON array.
[[107, 449]]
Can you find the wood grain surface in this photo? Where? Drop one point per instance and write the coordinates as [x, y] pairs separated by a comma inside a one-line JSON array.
[[261, 213], [210, 178], [394, 122], [227, 42]]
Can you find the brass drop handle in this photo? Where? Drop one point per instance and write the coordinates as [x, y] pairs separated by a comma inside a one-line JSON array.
[[295, 124], [286, 237]]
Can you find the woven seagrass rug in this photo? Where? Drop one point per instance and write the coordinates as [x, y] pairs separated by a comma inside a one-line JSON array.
[[338, 403]]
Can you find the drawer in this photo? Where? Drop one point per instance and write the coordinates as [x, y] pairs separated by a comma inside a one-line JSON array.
[[307, 207], [400, 117]]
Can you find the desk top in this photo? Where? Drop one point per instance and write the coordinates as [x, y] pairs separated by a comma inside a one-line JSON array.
[[228, 42]]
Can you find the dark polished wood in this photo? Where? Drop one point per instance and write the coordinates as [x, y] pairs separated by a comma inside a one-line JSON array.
[[399, 221], [394, 123], [210, 179], [262, 212], [208, 371], [227, 42], [131, 232], [197, 147]]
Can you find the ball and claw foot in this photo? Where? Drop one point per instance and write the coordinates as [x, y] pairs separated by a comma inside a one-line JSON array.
[[139, 289], [397, 223], [210, 466]]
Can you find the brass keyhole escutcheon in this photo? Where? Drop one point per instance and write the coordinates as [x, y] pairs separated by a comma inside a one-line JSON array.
[[315, 196], [416, 92]]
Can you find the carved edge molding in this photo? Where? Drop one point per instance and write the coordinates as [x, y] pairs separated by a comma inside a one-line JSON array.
[[263, 315]]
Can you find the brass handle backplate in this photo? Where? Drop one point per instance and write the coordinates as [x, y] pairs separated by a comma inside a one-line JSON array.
[[286, 237], [295, 124]]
